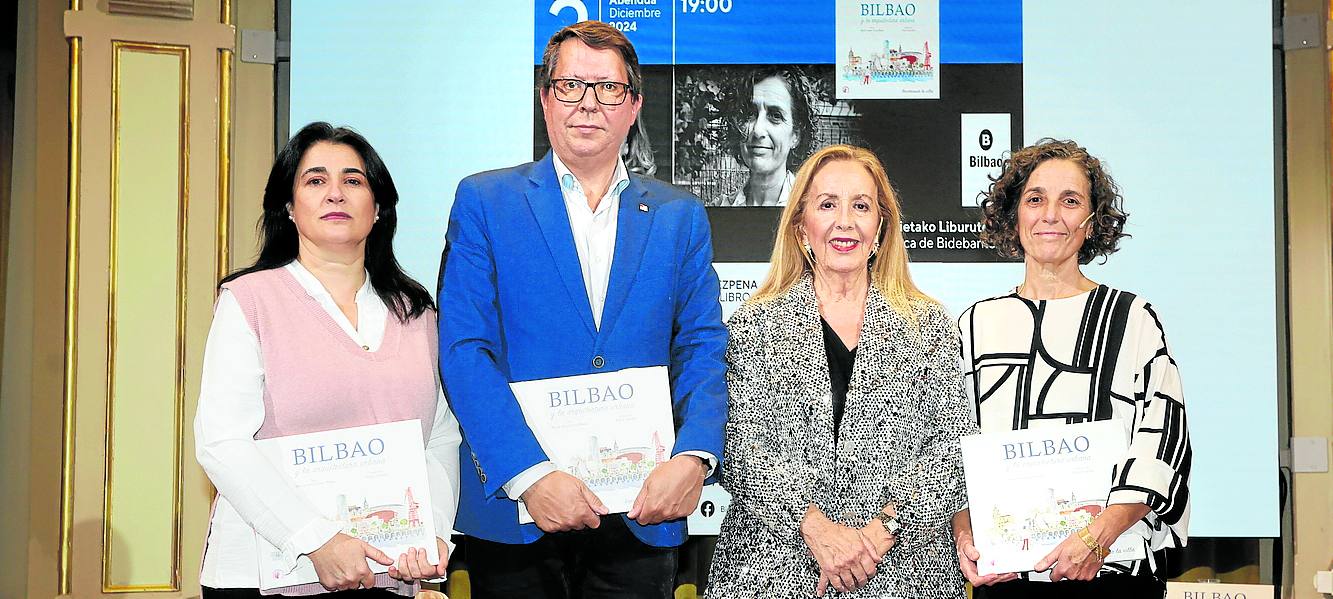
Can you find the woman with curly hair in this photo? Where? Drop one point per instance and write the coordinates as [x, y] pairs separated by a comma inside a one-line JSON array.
[[1062, 349], [776, 132]]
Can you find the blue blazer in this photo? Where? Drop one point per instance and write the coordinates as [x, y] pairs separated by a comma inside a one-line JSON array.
[[513, 308]]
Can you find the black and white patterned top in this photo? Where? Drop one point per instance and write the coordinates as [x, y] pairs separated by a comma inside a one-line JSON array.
[[898, 441], [1094, 356]]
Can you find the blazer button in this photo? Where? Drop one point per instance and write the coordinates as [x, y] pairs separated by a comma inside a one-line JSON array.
[[598, 362]]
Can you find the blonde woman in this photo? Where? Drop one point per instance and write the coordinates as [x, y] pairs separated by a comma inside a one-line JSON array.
[[846, 405]]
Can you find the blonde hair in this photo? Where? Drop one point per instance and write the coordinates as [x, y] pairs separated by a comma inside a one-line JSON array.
[[888, 268]]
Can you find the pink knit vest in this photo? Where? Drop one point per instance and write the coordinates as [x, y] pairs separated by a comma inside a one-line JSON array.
[[316, 378]]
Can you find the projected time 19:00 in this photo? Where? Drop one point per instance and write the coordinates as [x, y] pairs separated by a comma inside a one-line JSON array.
[[709, 6]]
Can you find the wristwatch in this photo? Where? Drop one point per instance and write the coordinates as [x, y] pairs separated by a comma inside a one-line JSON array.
[[891, 523]]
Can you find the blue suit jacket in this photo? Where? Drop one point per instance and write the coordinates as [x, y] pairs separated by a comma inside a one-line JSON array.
[[513, 308]]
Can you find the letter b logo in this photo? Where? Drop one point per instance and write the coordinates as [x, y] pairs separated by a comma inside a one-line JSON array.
[[986, 139]]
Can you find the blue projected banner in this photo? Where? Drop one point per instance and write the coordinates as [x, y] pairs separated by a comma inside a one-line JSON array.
[[647, 23], [934, 87], [766, 32], [445, 89]]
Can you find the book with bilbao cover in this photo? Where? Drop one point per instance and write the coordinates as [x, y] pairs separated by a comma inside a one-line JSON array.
[[608, 429], [1028, 490], [370, 479]]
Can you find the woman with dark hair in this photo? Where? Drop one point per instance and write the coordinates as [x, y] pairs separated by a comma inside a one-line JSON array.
[[324, 331], [1061, 349], [776, 133]]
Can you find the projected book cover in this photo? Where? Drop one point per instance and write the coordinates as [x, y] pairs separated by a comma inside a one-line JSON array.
[[888, 50]]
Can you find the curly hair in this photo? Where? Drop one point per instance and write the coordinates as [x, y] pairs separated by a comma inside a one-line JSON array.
[[803, 116], [999, 207]]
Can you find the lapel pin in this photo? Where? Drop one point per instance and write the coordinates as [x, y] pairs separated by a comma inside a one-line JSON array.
[[643, 207]]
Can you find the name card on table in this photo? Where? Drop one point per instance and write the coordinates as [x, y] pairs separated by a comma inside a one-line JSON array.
[[1217, 590]]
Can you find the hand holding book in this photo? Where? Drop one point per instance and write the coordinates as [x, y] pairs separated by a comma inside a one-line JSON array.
[[968, 554], [414, 564], [341, 563], [1073, 559], [559, 502], [671, 491]]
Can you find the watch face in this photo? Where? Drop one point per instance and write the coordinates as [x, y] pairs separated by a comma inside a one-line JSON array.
[[890, 523]]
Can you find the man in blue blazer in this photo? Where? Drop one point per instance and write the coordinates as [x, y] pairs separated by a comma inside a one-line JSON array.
[[569, 266]]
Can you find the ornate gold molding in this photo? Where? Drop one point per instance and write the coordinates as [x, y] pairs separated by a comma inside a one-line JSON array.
[[64, 570], [183, 54], [225, 61]]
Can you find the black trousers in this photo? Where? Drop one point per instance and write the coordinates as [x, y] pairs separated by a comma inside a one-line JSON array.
[[605, 562], [1108, 586], [210, 593]]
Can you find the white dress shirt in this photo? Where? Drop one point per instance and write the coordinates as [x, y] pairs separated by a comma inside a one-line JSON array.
[[231, 411], [594, 232]]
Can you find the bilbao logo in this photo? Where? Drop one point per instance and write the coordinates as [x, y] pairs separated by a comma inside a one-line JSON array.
[[986, 139], [580, 9]]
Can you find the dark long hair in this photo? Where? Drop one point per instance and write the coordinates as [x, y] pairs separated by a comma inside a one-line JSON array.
[[405, 298]]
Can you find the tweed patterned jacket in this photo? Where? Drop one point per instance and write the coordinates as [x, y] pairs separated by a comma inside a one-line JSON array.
[[898, 442]]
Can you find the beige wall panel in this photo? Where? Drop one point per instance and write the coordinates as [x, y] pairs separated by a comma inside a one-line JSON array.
[[56, 512], [253, 138], [1310, 238], [147, 307], [204, 31]]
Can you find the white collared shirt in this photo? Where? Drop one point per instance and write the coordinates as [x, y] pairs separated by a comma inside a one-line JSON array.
[[231, 411], [594, 232]]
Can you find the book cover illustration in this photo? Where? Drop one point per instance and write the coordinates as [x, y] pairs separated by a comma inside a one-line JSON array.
[[610, 429], [1029, 490], [888, 50], [371, 480]]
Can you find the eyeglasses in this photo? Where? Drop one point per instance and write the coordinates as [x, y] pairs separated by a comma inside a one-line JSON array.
[[609, 93]]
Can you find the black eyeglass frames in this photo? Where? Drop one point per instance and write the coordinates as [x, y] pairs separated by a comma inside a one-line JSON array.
[[608, 93]]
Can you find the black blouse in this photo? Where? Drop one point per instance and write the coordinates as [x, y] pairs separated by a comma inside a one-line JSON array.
[[839, 371]]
